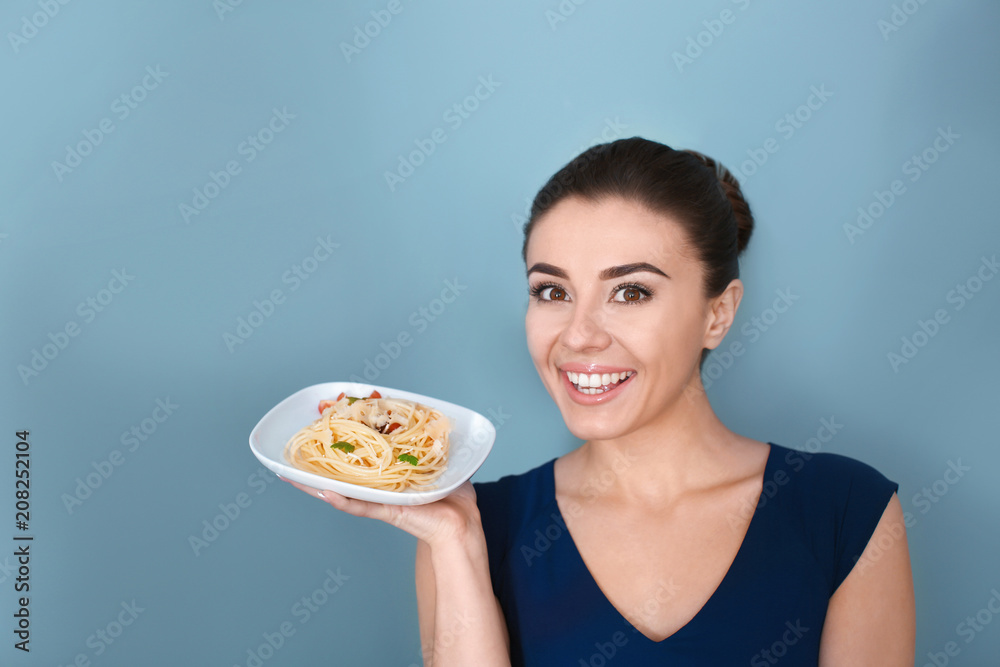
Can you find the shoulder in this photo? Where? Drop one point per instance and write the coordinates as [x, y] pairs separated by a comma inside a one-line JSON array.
[[838, 498], [515, 496], [522, 481], [829, 476], [511, 502]]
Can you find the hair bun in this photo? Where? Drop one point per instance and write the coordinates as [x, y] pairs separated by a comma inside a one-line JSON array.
[[734, 194]]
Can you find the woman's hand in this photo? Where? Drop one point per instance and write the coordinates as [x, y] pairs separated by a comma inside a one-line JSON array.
[[452, 517]]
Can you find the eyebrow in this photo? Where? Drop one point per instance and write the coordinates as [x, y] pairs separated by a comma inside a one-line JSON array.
[[625, 269], [606, 274]]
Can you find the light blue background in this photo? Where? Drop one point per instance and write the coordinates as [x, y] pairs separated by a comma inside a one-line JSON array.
[[561, 84]]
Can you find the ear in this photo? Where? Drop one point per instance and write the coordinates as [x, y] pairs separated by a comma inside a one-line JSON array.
[[721, 312]]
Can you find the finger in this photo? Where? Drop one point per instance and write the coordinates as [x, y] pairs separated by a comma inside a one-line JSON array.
[[311, 490], [353, 506], [343, 503]]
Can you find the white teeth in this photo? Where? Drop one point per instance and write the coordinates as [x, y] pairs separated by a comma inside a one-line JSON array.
[[594, 383]]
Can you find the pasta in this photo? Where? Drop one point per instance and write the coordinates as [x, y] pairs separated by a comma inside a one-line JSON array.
[[382, 443]]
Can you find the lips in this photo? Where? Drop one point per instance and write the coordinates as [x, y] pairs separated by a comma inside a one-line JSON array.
[[590, 384]]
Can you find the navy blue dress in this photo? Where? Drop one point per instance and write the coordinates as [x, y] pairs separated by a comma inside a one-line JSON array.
[[815, 515]]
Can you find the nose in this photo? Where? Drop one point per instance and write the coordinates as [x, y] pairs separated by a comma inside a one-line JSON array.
[[586, 331]]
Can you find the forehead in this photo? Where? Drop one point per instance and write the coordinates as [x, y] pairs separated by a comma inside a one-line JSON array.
[[605, 233]]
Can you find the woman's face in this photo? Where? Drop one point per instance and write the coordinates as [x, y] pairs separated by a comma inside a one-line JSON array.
[[617, 318]]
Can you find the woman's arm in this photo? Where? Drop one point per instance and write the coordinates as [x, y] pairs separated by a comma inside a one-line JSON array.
[[871, 616], [424, 575], [460, 620]]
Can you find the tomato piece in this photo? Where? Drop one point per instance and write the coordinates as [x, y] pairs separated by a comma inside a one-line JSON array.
[[324, 404], [392, 427], [375, 394]]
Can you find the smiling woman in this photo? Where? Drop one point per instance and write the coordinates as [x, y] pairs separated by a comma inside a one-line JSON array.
[[654, 542], [649, 553]]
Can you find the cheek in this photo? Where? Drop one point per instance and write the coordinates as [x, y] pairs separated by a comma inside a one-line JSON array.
[[660, 335], [542, 327], [536, 332]]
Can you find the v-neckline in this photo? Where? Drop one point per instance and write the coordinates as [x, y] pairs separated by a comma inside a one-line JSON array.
[[768, 470]]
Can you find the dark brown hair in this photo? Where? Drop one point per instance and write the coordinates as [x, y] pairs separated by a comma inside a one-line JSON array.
[[691, 188]]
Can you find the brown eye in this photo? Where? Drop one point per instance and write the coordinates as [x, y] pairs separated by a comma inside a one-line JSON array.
[[631, 294], [549, 293]]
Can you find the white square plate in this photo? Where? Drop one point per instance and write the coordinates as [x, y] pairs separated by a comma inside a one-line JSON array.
[[470, 442]]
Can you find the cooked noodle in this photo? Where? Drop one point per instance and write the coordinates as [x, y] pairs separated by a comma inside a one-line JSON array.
[[371, 434]]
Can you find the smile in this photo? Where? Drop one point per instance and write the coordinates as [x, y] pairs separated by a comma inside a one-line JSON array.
[[597, 383]]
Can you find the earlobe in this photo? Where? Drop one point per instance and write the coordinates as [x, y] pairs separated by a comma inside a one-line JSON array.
[[722, 313]]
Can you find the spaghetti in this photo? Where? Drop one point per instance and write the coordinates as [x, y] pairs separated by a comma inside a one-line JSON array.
[[382, 443]]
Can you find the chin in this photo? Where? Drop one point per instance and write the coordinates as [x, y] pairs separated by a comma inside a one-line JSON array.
[[590, 422], [593, 427]]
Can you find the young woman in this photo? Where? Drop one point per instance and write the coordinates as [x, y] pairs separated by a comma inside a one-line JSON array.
[[665, 538]]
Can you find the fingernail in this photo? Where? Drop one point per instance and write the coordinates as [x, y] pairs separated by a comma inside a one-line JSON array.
[[320, 494]]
